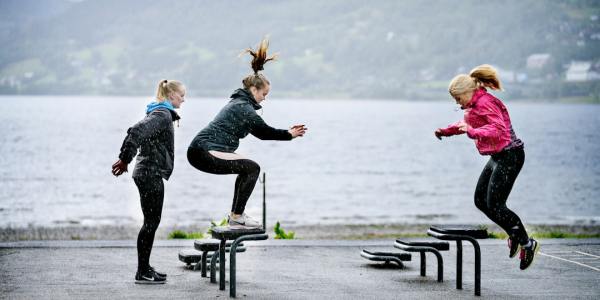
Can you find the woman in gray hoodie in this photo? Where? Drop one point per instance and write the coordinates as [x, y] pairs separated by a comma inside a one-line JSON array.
[[154, 137], [213, 149]]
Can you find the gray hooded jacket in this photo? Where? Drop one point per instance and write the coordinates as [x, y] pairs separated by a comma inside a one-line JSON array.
[[154, 136], [234, 122]]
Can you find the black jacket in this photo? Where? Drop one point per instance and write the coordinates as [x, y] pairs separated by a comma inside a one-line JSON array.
[[154, 136], [235, 121]]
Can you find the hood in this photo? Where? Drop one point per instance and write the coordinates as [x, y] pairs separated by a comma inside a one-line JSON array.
[[246, 95], [165, 104]]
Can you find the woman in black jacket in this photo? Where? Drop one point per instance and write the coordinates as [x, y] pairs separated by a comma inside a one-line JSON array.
[[154, 136], [213, 148]]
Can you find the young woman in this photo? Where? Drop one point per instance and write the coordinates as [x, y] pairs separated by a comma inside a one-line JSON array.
[[154, 136], [486, 120], [213, 149]]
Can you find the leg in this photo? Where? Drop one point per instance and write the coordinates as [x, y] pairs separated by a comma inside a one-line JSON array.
[[247, 183], [236, 191], [151, 191], [481, 190], [247, 170], [501, 182]]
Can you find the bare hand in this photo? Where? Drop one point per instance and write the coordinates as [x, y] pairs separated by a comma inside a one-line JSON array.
[[119, 168], [297, 130], [438, 134], [463, 127]]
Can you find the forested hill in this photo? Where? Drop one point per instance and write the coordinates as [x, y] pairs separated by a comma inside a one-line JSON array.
[[333, 48]]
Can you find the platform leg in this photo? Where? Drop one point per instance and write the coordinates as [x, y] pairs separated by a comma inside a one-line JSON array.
[[213, 268], [477, 267], [423, 263], [222, 265], [203, 263], [459, 265]]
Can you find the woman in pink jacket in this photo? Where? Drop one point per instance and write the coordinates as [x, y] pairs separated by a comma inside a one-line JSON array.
[[486, 121]]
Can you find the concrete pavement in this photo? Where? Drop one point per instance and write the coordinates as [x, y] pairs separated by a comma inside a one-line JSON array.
[[296, 269]]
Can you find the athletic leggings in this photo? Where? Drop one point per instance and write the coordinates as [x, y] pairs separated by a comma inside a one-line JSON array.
[[151, 190], [246, 169], [494, 186]]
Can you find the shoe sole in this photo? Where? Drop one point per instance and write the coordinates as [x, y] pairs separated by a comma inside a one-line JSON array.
[[149, 282], [535, 251], [238, 226]]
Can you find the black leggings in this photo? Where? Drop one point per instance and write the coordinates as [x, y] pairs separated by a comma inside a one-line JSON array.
[[152, 192], [494, 186], [246, 169]]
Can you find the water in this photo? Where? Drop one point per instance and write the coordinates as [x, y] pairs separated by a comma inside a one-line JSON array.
[[366, 161]]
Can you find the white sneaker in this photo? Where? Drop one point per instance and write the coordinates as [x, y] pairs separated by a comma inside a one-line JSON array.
[[244, 221]]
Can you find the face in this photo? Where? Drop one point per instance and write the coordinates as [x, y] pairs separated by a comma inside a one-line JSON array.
[[463, 99], [177, 97], [260, 94]]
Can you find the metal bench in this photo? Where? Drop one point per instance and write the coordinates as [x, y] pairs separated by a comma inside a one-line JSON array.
[[198, 259], [386, 257], [426, 246], [225, 233], [461, 233]]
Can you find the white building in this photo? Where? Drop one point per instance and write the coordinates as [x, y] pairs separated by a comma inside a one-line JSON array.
[[538, 61], [582, 71]]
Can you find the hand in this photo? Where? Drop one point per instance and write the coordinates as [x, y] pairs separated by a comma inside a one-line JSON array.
[[438, 134], [297, 130], [119, 168], [463, 127]]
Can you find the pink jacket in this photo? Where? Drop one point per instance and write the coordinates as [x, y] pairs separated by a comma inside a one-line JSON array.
[[488, 123]]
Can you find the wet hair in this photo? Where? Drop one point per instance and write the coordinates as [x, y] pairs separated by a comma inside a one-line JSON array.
[[165, 87], [480, 76], [259, 59]]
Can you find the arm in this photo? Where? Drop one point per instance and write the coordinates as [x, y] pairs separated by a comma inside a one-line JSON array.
[[494, 122], [452, 129], [143, 130], [261, 130]]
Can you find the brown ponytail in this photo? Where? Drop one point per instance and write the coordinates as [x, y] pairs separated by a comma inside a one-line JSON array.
[[259, 59]]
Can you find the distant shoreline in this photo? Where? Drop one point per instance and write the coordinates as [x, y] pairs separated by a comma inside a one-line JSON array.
[[442, 98], [339, 232]]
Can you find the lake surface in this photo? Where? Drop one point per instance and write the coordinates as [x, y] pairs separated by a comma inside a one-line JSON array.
[[362, 161]]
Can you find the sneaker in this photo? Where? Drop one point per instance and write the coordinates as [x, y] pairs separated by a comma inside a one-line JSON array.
[[528, 254], [149, 277], [513, 247], [158, 273], [244, 221]]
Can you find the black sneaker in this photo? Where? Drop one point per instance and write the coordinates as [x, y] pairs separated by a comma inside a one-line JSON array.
[[513, 247], [149, 277], [528, 254], [158, 273]]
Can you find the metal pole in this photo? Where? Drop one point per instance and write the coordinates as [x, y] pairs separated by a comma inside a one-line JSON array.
[[222, 265], [423, 266], [477, 267], [264, 184], [458, 264]]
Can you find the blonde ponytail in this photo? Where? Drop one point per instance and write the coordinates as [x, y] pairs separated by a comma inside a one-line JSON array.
[[486, 76], [480, 76], [165, 87]]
